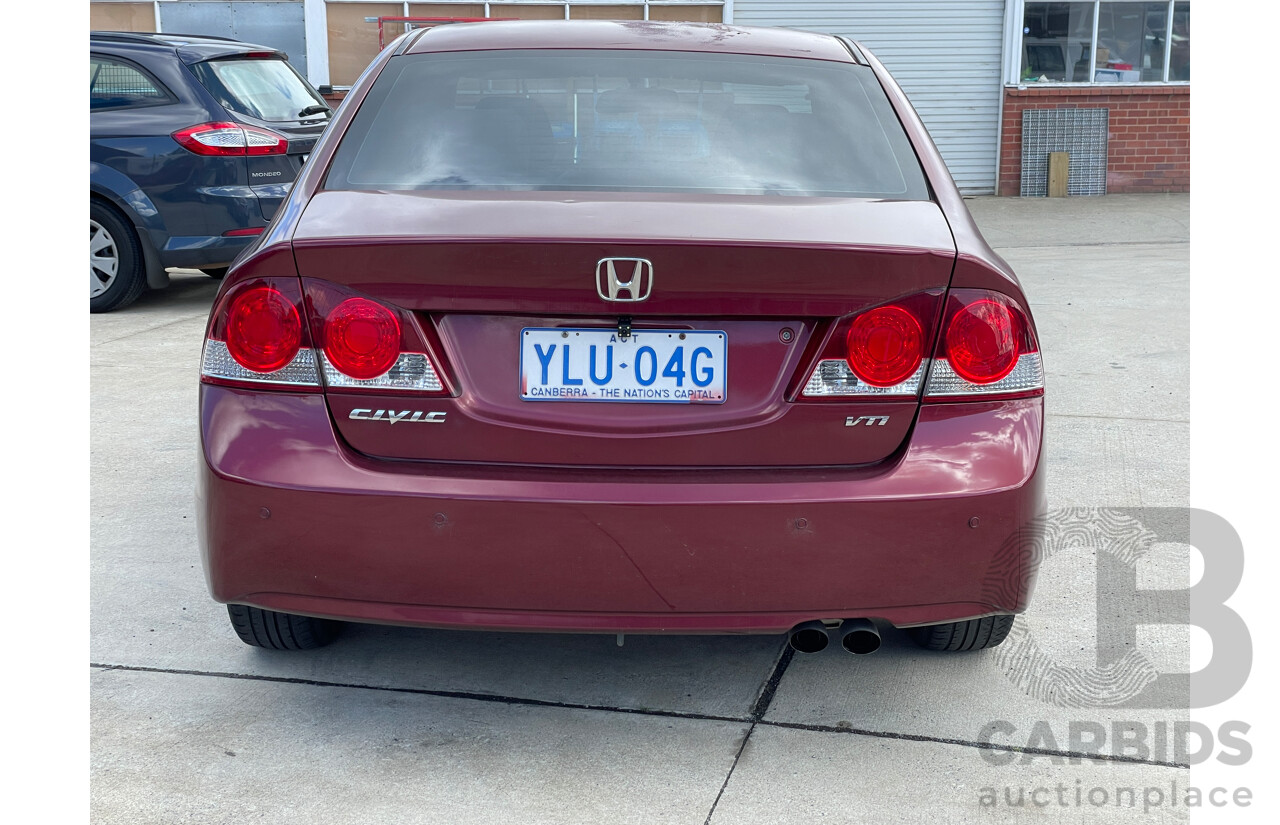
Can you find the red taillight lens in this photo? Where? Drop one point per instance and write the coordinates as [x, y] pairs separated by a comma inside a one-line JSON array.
[[982, 341], [230, 140], [365, 344], [361, 338], [885, 346], [263, 331], [877, 353]]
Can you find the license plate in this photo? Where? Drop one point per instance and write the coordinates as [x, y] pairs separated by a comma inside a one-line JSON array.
[[654, 366]]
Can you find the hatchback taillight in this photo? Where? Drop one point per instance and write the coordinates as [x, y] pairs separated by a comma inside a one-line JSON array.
[[230, 140]]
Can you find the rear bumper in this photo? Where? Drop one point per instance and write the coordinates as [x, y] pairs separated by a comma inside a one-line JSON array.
[[201, 251], [292, 520], [191, 236]]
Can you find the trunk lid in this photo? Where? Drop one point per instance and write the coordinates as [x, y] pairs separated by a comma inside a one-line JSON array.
[[772, 274]]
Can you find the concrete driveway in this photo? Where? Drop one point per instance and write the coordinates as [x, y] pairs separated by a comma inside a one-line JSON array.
[[393, 725]]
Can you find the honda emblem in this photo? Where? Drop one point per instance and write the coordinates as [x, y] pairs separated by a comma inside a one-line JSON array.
[[611, 287]]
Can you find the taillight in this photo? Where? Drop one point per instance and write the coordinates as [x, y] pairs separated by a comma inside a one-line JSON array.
[[361, 338], [879, 352], [988, 347], [981, 344], [230, 140], [885, 346], [257, 336], [264, 331], [365, 344]]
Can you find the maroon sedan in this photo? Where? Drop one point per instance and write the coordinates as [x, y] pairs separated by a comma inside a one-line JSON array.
[[622, 328]]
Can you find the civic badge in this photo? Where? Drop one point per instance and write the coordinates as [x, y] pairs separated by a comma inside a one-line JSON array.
[[610, 275]]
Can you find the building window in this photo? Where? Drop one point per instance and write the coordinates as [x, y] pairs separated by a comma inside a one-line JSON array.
[[122, 17], [1104, 41], [353, 25]]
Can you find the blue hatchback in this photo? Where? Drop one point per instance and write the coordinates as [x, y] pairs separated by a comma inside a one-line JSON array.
[[194, 142]]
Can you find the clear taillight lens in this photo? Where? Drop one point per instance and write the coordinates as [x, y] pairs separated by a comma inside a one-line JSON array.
[[230, 140], [832, 378], [988, 347]]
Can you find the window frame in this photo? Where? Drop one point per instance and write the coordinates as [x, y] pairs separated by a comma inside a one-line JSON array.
[[1014, 44], [169, 99]]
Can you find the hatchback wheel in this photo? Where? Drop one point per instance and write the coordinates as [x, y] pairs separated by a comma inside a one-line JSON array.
[[115, 261], [974, 634], [280, 631]]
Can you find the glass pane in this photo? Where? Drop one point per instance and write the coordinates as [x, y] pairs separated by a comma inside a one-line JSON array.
[[113, 84], [1180, 54], [526, 12], [1131, 39], [1055, 42], [1155, 35], [265, 89], [353, 43], [606, 12], [122, 17], [446, 9], [628, 121], [696, 14]]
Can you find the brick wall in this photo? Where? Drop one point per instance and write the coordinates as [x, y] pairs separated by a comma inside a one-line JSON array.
[[1148, 142]]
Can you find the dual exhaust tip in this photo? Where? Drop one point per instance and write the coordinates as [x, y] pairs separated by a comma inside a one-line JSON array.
[[856, 636]]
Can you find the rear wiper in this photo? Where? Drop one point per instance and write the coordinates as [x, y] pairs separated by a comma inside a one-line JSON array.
[[317, 109]]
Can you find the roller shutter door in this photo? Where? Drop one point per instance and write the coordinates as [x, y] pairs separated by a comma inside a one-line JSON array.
[[946, 55]]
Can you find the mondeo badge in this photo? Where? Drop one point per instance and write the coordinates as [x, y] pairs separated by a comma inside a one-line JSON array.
[[610, 287]]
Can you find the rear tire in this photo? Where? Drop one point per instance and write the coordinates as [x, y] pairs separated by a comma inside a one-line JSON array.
[[974, 634], [116, 276], [215, 273], [280, 631]]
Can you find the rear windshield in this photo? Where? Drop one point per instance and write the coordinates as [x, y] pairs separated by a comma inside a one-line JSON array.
[[628, 121], [263, 89]]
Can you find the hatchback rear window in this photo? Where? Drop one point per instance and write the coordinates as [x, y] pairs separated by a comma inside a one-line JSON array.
[[260, 88], [628, 121]]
